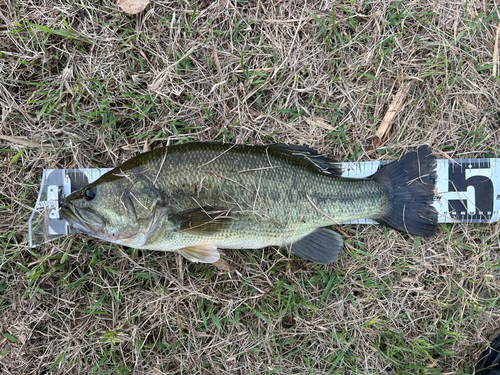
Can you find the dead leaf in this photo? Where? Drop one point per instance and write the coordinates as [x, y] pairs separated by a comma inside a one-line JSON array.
[[319, 122], [222, 265], [132, 6], [20, 141], [394, 108], [469, 106], [376, 142], [288, 321]]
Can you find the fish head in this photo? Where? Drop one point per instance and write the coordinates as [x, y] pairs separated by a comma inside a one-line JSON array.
[[116, 209]]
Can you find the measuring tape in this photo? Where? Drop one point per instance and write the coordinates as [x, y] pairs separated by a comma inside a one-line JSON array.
[[468, 191]]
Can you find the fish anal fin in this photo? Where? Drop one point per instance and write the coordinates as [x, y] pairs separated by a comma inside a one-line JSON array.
[[200, 253], [323, 246], [202, 220]]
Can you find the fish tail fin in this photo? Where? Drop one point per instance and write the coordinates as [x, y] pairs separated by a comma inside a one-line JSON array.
[[409, 184]]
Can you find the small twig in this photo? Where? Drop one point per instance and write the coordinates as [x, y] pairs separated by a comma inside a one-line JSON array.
[[342, 232], [302, 19], [258, 169], [253, 70], [180, 267], [229, 179], [394, 108], [495, 52], [138, 201], [20, 141], [320, 211], [161, 166], [219, 71], [218, 156], [263, 7]]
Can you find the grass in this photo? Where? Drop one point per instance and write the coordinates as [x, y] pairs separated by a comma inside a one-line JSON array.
[[91, 87]]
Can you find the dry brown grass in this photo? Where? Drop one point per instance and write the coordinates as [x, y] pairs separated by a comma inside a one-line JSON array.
[[90, 86]]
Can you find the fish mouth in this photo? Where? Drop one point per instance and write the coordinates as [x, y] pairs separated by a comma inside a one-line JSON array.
[[83, 219]]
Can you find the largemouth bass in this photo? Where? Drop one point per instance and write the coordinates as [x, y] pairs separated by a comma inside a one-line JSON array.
[[196, 198]]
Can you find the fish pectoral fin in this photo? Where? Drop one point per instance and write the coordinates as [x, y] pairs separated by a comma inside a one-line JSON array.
[[202, 220], [200, 253], [322, 246]]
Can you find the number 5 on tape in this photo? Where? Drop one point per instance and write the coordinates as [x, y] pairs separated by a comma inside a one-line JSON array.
[[468, 190]]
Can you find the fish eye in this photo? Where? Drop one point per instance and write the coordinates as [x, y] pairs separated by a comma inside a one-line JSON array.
[[89, 194]]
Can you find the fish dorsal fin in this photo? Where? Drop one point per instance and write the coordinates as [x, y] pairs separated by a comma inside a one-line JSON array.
[[322, 246], [200, 253], [309, 157], [202, 220]]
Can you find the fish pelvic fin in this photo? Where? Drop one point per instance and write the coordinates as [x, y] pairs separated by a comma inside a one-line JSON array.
[[410, 184], [323, 246], [200, 253]]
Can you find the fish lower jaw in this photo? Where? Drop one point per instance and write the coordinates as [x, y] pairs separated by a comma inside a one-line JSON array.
[[135, 241]]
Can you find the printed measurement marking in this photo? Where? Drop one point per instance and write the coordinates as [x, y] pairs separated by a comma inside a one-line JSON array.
[[471, 191]]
